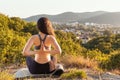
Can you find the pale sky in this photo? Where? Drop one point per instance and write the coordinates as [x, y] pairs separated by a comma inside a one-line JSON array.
[[26, 8]]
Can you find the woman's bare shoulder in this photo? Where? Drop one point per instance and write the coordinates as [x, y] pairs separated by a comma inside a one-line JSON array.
[[51, 37], [36, 35], [33, 37]]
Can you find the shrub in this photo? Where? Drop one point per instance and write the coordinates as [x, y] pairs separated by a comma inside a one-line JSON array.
[[4, 75], [112, 63]]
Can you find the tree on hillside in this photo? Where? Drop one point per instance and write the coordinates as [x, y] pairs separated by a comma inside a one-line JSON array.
[[16, 23], [106, 44], [107, 32], [4, 20], [69, 43], [30, 27]]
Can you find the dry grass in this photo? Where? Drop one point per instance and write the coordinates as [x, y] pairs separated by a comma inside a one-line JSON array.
[[116, 71], [78, 62]]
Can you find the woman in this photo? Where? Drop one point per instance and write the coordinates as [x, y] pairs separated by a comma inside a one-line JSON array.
[[42, 42]]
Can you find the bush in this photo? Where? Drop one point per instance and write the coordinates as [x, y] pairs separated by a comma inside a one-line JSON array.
[[113, 62], [4, 75], [11, 45], [69, 43]]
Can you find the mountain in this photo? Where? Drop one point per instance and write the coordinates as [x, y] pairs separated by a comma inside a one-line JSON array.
[[106, 18], [100, 17]]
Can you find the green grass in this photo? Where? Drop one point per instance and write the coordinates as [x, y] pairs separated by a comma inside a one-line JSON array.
[[74, 74]]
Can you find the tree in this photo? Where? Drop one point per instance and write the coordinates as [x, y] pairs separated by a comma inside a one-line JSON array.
[[16, 23], [69, 43], [106, 44], [30, 27], [107, 32], [4, 20]]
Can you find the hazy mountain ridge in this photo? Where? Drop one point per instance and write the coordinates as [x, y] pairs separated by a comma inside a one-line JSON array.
[[101, 17], [106, 18]]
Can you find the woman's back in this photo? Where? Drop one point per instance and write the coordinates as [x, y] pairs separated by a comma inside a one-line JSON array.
[[45, 39]]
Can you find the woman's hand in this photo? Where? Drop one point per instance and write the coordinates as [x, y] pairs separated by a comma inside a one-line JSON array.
[[42, 49]]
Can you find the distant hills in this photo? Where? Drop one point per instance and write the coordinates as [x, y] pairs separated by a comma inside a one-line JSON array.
[[100, 17]]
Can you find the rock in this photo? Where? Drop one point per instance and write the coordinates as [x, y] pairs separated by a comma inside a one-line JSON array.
[[110, 76]]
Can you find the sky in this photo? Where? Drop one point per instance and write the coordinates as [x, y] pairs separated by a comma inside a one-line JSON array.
[[26, 8]]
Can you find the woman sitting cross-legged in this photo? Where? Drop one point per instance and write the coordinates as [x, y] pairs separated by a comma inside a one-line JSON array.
[[43, 63]]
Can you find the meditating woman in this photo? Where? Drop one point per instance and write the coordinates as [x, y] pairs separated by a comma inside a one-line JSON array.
[[43, 62]]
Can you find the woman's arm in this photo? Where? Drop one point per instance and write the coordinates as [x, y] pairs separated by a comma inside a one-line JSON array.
[[26, 51]]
